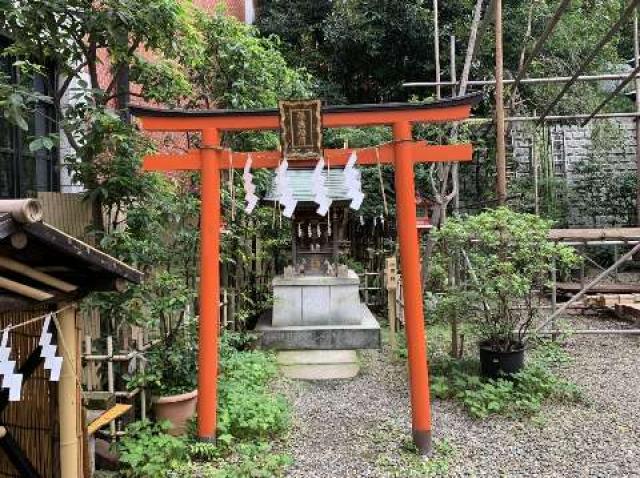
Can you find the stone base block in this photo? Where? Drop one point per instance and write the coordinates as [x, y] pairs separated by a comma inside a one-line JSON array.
[[366, 335], [319, 364]]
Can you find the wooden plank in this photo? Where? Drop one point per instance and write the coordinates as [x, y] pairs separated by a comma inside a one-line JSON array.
[[629, 312], [107, 417], [574, 287], [615, 233]]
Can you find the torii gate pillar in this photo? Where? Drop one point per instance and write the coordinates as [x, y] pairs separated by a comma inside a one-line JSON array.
[[209, 285], [412, 287]]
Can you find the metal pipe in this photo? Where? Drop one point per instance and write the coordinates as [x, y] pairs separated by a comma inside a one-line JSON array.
[[636, 53], [436, 46], [633, 75], [524, 81], [591, 332], [594, 282], [517, 119], [592, 55], [540, 43]]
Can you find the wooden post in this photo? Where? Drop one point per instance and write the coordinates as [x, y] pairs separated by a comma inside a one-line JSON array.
[[111, 381], [391, 277], [501, 154], [209, 286], [68, 399], [412, 288], [636, 52]]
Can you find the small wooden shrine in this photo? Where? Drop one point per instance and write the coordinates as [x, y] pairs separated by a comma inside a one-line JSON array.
[[43, 273], [316, 240]]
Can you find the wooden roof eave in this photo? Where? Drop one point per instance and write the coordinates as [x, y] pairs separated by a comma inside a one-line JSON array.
[[81, 250]]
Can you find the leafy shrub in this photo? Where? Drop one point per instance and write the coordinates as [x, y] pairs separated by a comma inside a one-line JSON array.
[[508, 255], [147, 451]]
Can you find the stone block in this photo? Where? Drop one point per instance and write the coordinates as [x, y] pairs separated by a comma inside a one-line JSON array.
[[340, 371], [316, 300], [365, 335]]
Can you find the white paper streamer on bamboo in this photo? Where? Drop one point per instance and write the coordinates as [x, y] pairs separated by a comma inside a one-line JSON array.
[[51, 362], [249, 188], [10, 379], [285, 195], [319, 189], [353, 182]]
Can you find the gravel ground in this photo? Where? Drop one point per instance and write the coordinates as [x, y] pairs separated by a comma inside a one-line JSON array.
[[359, 427]]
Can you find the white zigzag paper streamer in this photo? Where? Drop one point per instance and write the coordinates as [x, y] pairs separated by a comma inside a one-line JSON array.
[[285, 195], [249, 188], [353, 182], [48, 352], [319, 189], [10, 379]]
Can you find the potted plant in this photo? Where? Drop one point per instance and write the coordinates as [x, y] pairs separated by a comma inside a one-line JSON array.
[[170, 371], [507, 258]]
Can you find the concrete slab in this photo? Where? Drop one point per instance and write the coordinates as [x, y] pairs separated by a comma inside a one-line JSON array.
[[365, 335], [321, 371], [308, 357]]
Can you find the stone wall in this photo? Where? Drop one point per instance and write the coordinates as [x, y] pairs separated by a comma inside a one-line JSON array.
[[563, 146]]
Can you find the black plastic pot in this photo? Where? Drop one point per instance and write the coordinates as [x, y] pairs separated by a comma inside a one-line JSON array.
[[495, 364]]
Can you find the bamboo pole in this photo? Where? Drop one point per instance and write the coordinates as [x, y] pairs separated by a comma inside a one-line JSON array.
[[20, 268], [501, 153], [22, 210], [68, 403], [24, 290]]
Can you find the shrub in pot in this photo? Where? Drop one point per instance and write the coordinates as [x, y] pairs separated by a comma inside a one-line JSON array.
[[171, 364], [507, 259]]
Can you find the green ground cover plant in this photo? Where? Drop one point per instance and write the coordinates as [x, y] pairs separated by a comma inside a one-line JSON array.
[[249, 415], [521, 396]]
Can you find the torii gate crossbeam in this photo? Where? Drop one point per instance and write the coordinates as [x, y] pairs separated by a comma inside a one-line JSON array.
[[403, 153]]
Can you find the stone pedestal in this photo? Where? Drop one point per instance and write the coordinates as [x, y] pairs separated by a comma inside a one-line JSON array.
[[316, 300], [317, 323]]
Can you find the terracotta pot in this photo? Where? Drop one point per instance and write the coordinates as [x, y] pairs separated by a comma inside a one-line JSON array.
[[177, 409]]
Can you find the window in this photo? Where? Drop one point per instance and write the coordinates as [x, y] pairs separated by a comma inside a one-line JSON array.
[[558, 154], [23, 173]]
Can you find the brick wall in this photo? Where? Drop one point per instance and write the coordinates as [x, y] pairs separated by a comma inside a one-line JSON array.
[[233, 7]]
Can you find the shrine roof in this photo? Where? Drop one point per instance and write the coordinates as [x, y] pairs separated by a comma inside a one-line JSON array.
[[300, 184], [55, 265]]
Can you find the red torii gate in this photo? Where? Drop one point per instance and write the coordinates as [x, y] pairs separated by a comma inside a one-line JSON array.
[[403, 153]]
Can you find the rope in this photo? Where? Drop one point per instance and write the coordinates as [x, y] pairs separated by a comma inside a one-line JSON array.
[[34, 320]]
